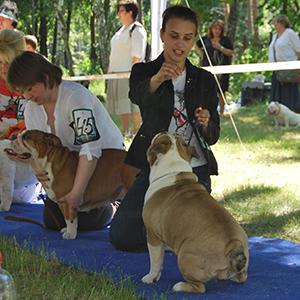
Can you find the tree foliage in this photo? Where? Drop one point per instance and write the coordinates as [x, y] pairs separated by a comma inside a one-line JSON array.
[[81, 29]]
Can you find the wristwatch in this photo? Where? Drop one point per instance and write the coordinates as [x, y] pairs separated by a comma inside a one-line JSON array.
[[221, 48]]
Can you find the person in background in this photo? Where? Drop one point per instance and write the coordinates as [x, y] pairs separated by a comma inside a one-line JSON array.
[[220, 50], [31, 42], [174, 96], [285, 46], [77, 117], [8, 15], [12, 104], [128, 47]]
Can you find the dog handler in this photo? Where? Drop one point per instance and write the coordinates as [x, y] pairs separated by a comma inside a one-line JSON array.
[[174, 96], [77, 117]]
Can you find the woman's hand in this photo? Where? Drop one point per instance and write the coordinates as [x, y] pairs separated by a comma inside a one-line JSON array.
[[74, 200], [166, 72], [216, 45], [43, 178], [202, 116]]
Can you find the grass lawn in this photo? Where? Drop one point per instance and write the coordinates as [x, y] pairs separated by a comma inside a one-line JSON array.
[[258, 183]]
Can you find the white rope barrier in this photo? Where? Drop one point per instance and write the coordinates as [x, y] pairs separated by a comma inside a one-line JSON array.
[[245, 68]]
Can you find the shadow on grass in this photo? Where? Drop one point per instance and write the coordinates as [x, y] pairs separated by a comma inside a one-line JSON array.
[[271, 224], [265, 221], [250, 191]]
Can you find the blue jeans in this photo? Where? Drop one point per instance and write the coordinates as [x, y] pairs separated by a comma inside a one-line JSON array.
[[127, 230]]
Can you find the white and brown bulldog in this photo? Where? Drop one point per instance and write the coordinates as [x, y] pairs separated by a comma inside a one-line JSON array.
[[179, 213], [110, 180], [282, 115]]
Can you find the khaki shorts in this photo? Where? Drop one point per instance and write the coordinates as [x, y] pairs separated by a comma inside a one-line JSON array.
[[118, 102]]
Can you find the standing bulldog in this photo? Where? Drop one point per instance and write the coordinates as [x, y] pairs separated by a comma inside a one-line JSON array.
[[179, 213], [110, 180], [282, 115]]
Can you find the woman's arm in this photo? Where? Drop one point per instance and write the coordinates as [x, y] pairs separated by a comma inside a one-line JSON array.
[[84, 172]]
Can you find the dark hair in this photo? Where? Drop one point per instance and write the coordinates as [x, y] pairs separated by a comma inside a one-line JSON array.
[[9, 9], [31, 40], [129, 6], [30, 68], [179, 12]]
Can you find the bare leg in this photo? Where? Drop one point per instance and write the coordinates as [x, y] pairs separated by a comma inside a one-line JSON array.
[[221, 103], [136, 120], [124, 118]]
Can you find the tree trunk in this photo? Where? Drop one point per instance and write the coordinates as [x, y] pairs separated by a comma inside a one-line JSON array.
[[93, 54], [43, 32], [104, 33], [54, 44], [233, 20], [58, 59]]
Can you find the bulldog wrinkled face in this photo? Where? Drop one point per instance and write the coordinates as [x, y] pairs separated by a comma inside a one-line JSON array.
[[273, 108], [30, 143], [163, 142]]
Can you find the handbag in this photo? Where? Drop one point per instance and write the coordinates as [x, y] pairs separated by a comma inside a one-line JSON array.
[[285, 76]]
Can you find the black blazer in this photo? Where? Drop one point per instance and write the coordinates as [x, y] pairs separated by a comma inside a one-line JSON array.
[[157, 109]]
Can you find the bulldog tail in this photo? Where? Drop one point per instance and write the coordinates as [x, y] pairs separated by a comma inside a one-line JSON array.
[[236, 255], [238, 259]]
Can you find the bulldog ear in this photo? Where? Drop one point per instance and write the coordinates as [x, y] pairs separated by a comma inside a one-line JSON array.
[[155, 149], [54, 140]]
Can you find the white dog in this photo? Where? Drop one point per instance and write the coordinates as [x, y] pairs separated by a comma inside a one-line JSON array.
[[283, 115], [17, 181]]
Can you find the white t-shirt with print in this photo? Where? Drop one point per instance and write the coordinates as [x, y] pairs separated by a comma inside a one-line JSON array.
[[81, 121], [179, 123], [124, 47], [286, 46]]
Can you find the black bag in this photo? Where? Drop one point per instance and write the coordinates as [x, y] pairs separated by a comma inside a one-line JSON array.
[[285, 76], [147, 57]]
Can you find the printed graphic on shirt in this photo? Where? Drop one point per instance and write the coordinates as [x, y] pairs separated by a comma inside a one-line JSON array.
[[20, 109], [179, 114], [84, 126]]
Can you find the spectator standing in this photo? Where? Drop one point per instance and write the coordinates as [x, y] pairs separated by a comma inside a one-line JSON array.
[[285, 46], [128, 46], [8, 15], [220, 50], [31, 42]]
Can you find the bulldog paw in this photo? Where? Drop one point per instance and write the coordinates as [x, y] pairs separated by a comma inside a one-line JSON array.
[[151, 278], [67, 235]]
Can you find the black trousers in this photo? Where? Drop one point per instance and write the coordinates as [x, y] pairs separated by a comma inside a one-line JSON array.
[[91, 220], [127, 230]]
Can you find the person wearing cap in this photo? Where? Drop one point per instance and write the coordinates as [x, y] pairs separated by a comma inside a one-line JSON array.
[[8, 15]]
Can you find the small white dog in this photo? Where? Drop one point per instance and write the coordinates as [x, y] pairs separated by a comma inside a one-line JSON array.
[[17, 181], [283, 115]]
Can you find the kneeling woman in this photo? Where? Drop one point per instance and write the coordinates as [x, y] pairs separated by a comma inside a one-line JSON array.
[[77, 117]]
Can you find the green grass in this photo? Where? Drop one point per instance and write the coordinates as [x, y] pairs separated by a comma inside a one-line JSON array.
[[258, 183], [259, 180]]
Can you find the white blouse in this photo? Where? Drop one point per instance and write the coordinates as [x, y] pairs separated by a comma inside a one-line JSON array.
[[81, 121], [286, 46], [124, 47]]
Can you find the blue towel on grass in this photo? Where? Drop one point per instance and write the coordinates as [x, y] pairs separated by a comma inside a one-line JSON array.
[[274, 269]]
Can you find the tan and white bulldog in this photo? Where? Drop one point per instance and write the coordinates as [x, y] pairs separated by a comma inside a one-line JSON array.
[[179, 213], [110, 180], [282, 115]]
